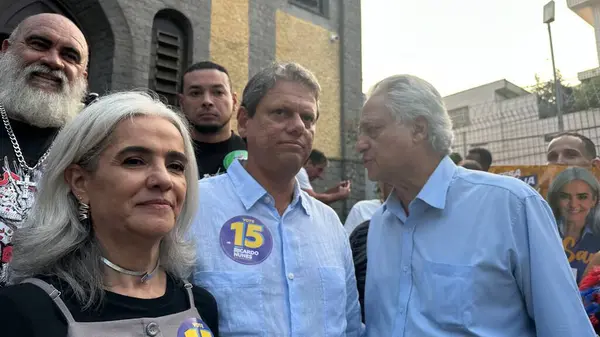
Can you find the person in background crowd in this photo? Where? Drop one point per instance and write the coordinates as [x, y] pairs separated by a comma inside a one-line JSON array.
[[471, 165], [482, 156], [312, 170], [364, 209], [573, 197], [315, 166], [208, 101], [572, 149], [277, 260], [431, 271], [42, 84], [358, 240], [358, 244], [109, 230], [456, 157]]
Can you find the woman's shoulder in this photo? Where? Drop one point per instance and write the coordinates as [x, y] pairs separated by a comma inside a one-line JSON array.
[[204, 300], [207, 308], [23, 306], [202, 295], [22, 294]]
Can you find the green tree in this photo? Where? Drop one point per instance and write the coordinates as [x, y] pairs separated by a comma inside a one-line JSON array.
[[546, 95], [587, 95]]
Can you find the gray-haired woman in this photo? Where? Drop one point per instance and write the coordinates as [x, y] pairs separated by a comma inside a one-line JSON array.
[[106, 251], [573, 197]]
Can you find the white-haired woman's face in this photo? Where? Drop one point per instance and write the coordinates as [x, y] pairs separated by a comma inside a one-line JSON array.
[[576, 200], [138, 187]]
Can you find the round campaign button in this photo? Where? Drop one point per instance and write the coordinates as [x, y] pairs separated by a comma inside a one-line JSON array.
[[246, 240], [193, 327], [231, 156]]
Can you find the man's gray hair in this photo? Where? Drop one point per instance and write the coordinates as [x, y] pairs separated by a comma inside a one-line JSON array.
[[568, 175], [54, 242], [409, 97], [12, 38], [265, 80]]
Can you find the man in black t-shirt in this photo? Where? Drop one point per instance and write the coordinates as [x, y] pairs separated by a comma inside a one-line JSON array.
[[208, 102], [43, 80]]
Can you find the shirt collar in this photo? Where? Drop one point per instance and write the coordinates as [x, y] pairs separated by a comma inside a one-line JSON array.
[[435, 190], [302, 197], [250, 191]]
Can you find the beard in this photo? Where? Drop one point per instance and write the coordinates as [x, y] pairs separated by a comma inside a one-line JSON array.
[[209, 129], [35, 106]]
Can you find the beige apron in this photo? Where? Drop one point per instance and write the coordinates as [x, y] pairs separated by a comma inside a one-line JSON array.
[[164, 326]]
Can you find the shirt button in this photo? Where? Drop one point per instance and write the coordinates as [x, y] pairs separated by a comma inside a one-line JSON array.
[[401, 311], [291, 276], [405, 269], [152, 329], [268, 200]]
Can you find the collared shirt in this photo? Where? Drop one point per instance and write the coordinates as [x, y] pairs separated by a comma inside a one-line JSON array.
[[272, 275], [360, 212], [303, 180], [477, 254]]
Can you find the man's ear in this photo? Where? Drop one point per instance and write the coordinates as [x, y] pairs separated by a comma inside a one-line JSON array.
[[242, 121], [235, 100], [5, 45], [180, 99], [77, 179], [420, 129]]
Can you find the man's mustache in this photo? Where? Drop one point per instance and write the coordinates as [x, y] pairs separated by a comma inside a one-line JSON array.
[[38, 68]]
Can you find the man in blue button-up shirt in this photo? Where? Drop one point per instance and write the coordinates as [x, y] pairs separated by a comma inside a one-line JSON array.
[[455, 252], [277, 261]]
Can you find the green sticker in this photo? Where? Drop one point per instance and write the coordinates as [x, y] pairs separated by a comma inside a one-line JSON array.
[[231, 156]]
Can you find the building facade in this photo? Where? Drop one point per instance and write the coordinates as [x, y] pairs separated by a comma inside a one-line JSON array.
[[510, 122], [588, 10], [149, 43]]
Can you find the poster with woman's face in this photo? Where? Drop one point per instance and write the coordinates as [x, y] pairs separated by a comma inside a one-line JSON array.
[[575, 200], [572, 193]]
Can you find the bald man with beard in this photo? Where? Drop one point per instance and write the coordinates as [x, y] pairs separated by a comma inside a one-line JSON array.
[[42, 84]]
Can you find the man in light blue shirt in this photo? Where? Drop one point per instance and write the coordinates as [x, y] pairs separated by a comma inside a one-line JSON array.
[[455, 252], [277, 261]]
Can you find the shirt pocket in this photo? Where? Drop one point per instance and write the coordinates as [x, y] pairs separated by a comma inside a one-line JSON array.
[[446, 293], [333, 286], [239, 298]]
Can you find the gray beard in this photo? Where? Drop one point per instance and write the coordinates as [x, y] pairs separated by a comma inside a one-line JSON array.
[[35, 106]]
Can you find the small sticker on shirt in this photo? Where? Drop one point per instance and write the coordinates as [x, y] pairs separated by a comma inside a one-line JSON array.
[[246, 240], [193, 327]]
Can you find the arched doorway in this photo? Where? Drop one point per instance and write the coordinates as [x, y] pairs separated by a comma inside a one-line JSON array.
[[13, 12], [96, 27]]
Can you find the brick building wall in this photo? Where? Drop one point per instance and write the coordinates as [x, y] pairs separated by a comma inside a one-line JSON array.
[[244, 36]]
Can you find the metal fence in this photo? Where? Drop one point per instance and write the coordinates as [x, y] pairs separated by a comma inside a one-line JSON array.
[[517, 131]]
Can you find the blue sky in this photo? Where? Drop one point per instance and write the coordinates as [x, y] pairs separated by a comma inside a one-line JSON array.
[[460, 44]]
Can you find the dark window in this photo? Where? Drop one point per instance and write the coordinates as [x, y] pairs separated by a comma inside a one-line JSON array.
[[169, 58], [320, 7]]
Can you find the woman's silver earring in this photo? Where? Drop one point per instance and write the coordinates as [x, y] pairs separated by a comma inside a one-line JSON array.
[[84, 210]]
